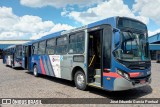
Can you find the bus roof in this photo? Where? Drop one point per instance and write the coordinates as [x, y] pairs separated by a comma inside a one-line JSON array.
[[111, 21], [12, 46]]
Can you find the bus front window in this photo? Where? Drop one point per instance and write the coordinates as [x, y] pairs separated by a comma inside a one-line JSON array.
[[133, 47]]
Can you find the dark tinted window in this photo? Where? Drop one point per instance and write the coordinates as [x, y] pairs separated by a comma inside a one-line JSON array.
[[107, 37], [35, 48], [76, 43], [62, 45], [62, 41], [26, 50], [42, 46], [129, 23], [51, 43], [50, 49]]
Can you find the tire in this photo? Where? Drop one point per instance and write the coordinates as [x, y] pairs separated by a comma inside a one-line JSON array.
[[80, 80], [35, 71]]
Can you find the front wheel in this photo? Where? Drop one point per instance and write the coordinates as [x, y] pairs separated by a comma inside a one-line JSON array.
[[35, 71], [80, 80]]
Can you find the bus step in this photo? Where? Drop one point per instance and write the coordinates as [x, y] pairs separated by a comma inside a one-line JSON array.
[[97, 78], [95, 84]]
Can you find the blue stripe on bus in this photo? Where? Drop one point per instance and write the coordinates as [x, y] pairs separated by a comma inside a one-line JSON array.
[[50, 68]]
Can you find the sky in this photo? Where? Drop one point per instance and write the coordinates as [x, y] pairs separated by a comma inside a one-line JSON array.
[[32, 19]]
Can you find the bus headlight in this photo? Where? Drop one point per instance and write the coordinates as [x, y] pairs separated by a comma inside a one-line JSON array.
[[119, 72], [123, 74], [126, 76]]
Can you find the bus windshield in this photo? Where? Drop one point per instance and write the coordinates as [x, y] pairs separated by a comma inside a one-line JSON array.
[[133, 47]]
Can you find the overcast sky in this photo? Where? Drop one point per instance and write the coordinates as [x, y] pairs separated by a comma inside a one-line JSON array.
[[31, 19]]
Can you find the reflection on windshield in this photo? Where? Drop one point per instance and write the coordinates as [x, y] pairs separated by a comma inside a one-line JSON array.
[[133, 47]]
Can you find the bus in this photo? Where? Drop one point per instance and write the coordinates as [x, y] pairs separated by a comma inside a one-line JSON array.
[[26, 55], [158, 56], [13, 56], [1, 53], [111, 54]]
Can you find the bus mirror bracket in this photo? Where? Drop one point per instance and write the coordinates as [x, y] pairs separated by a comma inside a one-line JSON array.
[[116, 30]]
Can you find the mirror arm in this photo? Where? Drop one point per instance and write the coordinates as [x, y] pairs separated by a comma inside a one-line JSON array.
[[116, 30]]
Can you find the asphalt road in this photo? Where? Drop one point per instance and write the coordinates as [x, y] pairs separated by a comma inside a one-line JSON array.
[[18, 83]]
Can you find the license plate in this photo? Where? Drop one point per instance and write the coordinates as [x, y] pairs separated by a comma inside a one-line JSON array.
[[142, 81]]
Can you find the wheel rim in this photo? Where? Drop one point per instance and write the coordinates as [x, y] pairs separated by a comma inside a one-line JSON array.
[[35, 71], [80, 79]]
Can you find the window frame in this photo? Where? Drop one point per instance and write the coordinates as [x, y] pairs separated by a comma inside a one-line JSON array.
[[62, 36], [33, 50], [76, 34], [39, 49], [49, 47]]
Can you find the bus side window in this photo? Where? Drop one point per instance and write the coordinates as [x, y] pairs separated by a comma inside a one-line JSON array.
[[76, 43], [35, 48], [50, 48], [80, 42], [72, 43], [42, 46], [62, 45]]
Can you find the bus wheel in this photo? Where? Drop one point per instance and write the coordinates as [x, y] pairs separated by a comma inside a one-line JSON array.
[[80, 80], [35, 71]]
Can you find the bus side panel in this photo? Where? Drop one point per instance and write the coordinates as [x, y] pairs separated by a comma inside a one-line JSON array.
[[66, 63], [36, 60], [108, 84], [109, 79], [9, 60], [47, 65], [55, 63]]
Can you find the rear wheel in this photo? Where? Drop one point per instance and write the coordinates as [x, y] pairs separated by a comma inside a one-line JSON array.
[[35, 71], [80, 80]]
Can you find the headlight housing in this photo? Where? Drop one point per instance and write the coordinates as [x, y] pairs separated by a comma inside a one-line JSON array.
[[123, 74]]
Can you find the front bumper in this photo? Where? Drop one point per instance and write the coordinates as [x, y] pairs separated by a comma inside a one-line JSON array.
[[124, 84]]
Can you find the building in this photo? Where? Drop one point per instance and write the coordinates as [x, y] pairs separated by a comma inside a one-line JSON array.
[[5, 43], [155, 46]]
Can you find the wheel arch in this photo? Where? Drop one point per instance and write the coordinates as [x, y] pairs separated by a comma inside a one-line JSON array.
[[33, 65], [75, 69]]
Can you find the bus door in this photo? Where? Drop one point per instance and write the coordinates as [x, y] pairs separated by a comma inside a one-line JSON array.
[[4, 56], [13, 56], [26, 57], [97, 54], [23, 57]]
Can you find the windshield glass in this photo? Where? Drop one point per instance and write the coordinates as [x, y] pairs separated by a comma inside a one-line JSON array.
[[133, 47]]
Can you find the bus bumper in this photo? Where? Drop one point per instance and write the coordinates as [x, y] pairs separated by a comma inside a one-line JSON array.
[[124, 84]]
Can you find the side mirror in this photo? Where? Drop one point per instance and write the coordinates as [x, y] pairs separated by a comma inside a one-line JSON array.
[[117, 37]]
